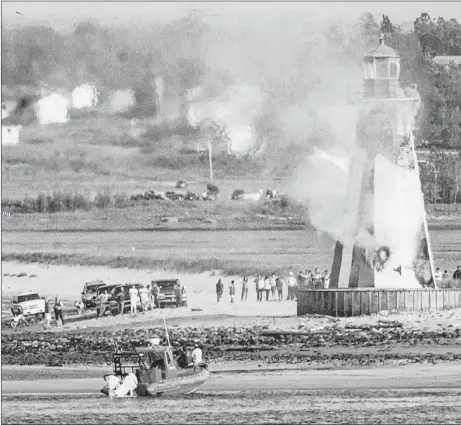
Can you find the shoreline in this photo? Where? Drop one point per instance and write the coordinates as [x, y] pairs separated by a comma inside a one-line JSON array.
[[437, 225]]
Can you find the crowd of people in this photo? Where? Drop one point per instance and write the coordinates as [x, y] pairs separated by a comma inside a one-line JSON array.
[[274, 288], [445, 276]]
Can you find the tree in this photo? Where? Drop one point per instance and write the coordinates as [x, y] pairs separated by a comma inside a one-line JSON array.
[[386, 25]]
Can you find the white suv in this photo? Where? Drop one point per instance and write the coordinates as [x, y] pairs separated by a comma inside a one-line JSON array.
[[28, 304]]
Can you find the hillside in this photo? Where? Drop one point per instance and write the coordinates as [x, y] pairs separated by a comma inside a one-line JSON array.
[[100, 152]]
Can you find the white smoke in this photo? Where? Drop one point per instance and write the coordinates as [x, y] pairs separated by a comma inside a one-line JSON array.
[[53, 109], [234, 110], [84, 96], [122, 101]]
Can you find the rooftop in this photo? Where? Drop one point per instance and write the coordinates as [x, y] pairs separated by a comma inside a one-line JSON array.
[[447, 60], [382, 51]]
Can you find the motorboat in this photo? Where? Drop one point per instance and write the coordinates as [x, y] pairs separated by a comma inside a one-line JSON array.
[[153, 372]]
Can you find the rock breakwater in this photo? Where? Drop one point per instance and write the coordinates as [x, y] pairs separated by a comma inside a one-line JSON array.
[[228, 344]]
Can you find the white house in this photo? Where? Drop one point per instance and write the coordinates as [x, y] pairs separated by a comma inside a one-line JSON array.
[[84, 96], [53, 109], [10, 134]]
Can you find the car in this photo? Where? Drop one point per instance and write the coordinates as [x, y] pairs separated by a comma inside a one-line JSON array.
[[174, 196], [237, 194], [28, 304], [167, 293], [89, 293]]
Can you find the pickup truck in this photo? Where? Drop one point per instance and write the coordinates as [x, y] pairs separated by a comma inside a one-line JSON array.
[[89, 293], [28, 304], [167, 292]]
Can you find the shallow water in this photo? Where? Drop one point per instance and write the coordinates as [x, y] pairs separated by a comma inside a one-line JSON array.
[[281, 406]]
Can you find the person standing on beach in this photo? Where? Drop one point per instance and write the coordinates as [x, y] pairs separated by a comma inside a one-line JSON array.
[[134, 295], [326, 279], [273, 286], [260, 286], [155, 292], [279, 285], [457, 273], [144, 298], [267, 287], [232, 291], [317, 279], [121, 301], [178, 294], [245, 288], [58, 310], [219, 289], [150, 299], [47, 324], [438, 276], [104, 302], [291, 283]]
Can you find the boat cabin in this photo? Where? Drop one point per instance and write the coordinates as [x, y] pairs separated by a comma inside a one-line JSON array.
[[155, 364]]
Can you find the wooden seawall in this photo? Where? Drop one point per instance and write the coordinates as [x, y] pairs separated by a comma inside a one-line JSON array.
[[363, 301]]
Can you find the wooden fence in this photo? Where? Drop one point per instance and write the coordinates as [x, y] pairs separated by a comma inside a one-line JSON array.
[[365, 301]]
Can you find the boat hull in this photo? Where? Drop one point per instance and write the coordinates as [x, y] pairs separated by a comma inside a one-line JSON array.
[[183, 384], [179, 385]]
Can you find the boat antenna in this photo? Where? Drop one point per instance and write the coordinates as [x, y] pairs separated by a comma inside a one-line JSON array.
[[166, 330]]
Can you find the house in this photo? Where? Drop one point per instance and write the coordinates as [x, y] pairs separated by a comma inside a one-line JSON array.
[[10, 134], [8, 107], [447, 60], [423, 153]]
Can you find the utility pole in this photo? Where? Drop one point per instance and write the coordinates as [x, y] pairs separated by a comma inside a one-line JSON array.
[[210, 159]]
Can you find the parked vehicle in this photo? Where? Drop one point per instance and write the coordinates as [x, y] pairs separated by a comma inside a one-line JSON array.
[[167, 293], [192, 196], [111, 292], [114, 298], [237, 194], [28, 304], [89, 293], [174, 196]]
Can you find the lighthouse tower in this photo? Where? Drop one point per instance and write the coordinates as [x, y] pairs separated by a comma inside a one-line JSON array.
[[386, 240]]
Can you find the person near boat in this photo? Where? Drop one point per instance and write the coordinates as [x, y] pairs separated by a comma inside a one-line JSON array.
[[197, 355]]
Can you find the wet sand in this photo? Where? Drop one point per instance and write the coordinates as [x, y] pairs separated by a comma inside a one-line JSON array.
[[410, 376], [413, 394]]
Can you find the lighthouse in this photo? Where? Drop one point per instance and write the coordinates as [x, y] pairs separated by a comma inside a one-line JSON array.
[[386, 241]]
